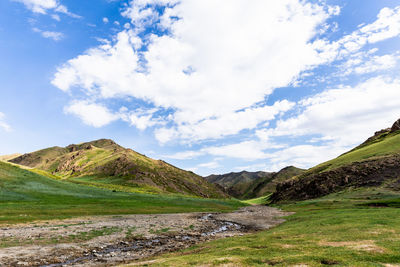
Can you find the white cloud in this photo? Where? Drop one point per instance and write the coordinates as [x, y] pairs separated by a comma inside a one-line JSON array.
[[347, 114], [212, 74], [56, 36], [92, 114], [303, 156], [185, 155], [341, 118], [43, 6], [386, 26], [227, 124], [245, 150], [210, 165], [5, 126], [56, 17], [105, 20], [142, 119], [376, 63], [367, 62]]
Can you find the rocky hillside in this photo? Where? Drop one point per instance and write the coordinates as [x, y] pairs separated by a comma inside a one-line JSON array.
[[233, 178], [105, 162], [246, 185], [267, 185], [376, 162]]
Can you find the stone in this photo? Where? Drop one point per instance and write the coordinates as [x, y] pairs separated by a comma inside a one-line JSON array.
[[396, 126]]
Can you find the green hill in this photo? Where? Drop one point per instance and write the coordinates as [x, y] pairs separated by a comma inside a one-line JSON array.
[[104, 163], [267, 185], [247, 185], [27, 196], [373, 163]]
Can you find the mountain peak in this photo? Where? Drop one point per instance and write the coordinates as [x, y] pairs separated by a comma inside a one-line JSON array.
[[100, 143]]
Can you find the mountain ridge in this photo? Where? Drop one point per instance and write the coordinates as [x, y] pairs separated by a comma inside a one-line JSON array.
[[246, 185], [102, 162]]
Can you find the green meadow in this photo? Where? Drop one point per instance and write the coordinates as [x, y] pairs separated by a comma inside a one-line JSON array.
[[28, 196], [342, 229]]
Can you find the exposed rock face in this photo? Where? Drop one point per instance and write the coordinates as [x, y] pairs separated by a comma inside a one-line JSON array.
[[396, 126], [359, 174]]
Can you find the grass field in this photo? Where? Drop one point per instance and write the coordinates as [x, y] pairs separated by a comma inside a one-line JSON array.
[[28, 196], [339, 229], [257, 201]]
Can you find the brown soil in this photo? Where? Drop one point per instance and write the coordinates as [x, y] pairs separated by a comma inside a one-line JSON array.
[[112, 240]]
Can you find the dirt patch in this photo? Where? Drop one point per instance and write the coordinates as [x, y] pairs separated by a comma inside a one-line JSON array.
[[260, 217], [112, 240], [365, 245]]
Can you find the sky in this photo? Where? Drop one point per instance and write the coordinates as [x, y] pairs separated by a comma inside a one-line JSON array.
[[209, 86]]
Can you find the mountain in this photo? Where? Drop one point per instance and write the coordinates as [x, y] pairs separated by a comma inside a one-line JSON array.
[[233, 178], [267, 185], [374, 163], [104, 163], [245, 185], [236, 183]]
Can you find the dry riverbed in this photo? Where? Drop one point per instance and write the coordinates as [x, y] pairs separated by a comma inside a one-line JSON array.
[[112, 240]]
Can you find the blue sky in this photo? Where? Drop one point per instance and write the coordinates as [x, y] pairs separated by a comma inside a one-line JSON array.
[[211, 86]]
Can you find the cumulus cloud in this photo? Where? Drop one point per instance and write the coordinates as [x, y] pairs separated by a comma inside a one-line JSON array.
[[207, 72], [5, 126], [43, 6], [365, 108], [369, 106], [56, 36], [92, 114], [205, 69]]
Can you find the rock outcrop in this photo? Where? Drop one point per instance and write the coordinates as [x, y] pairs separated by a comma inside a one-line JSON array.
[[396, 126], [372, 172]]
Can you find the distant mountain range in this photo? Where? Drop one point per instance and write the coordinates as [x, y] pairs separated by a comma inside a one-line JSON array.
[[374, 163], [104, 163], [245, 185]]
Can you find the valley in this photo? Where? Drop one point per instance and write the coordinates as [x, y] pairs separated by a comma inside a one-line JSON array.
[[190, 133], [84, 206]]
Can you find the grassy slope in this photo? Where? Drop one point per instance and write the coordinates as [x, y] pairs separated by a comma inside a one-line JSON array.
[[336, 229], [27, 196], [103, 163], [257, 201], [388, 144]]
